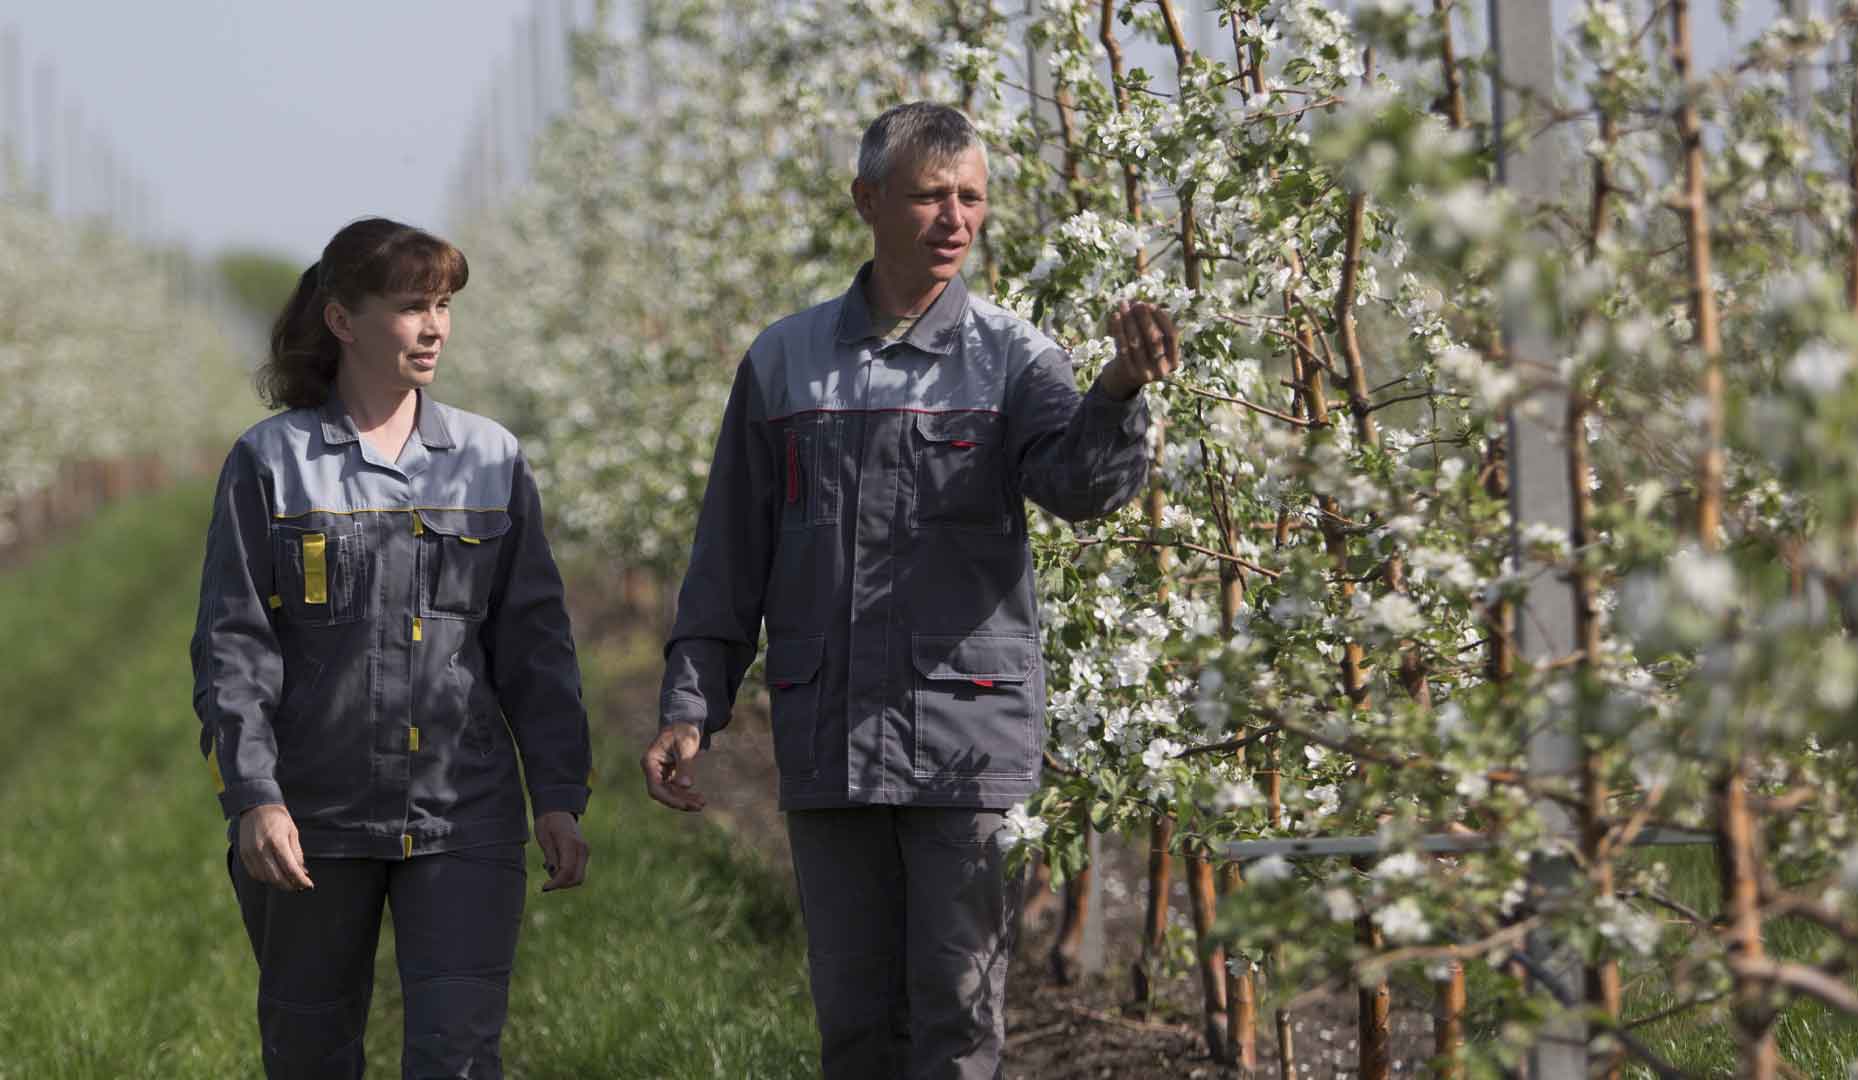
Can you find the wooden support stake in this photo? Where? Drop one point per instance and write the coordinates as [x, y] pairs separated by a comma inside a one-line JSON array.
[[1070, 958], [1373, 1006], [1241, 989], [1155, 920], [1211, 960], [1448, 1025]]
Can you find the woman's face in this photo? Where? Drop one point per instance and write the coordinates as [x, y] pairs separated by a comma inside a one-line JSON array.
[[393, 341]]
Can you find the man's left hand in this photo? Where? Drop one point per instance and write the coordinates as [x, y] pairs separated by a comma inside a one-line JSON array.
[[1147, 349], [564, 851]]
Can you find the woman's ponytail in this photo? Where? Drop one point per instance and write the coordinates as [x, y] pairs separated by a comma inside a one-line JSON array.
[[301, 367]]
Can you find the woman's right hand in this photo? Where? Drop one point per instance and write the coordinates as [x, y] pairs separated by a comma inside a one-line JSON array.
[[269, 850]]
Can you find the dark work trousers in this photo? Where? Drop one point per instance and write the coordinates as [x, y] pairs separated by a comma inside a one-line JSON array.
[[908, 927], [456, 915]]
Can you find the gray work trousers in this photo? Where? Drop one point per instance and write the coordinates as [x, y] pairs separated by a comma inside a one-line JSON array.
[[456, 915], [908, 926]]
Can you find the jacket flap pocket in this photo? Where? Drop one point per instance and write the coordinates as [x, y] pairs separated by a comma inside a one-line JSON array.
[[980, 658], [959, 428], [792, 661], [471, 526]]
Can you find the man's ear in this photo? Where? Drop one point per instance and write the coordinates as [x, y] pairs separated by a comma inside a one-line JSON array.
[[335, 317], [863, 197]]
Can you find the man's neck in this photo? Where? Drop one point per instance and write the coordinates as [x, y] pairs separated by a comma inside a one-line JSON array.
[[900, 299]]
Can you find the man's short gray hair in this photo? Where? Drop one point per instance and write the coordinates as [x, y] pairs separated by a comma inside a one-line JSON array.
[[919, 130]]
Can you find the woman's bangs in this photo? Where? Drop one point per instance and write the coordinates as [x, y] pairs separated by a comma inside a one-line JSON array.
[[423, 265]]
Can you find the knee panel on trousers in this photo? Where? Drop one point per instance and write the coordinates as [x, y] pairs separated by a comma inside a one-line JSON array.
[[454, 1027], [312, 1041]]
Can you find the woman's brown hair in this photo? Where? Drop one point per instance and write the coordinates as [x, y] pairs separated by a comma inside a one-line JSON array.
[[370, 257]]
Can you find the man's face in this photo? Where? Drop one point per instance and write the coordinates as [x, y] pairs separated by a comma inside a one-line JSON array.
[[925, 216]]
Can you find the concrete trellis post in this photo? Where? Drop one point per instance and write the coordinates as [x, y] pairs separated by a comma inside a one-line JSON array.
[[1523, 54]]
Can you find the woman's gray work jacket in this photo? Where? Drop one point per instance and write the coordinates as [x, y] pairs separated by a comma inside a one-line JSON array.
[[379, 642], [867, 500]]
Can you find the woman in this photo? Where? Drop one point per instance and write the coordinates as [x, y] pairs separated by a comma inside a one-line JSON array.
[[381, 638]]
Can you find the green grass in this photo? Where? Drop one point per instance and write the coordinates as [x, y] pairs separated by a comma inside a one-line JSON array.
[[121, 952], [1811, 1038]]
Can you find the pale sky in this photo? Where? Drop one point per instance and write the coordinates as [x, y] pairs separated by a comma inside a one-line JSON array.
[[266, 123]]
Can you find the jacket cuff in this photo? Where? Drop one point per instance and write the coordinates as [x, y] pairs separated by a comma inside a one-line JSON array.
[[571, 798], [677, 707], [240, 797], [1129, 417]]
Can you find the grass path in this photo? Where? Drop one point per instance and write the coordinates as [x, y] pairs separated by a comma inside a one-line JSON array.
[[121, 953]]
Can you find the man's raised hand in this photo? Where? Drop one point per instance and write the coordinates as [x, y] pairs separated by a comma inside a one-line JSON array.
[[1147, 348]]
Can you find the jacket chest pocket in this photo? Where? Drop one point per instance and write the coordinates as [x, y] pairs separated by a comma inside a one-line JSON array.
[[811, 450], [459, 553], [323, 575], [959, 461]]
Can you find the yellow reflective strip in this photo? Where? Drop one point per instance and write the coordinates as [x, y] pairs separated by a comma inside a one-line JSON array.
[[212, 764], [406, 844], [418, 629], [412, 740], [419, 527], [315, 569], [470, 539], [276, 601]]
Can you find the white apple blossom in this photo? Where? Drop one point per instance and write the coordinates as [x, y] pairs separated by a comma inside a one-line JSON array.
[[1021, 827], [1403, 921]]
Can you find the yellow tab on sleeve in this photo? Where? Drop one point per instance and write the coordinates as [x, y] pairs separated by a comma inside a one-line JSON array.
[[212, 764], [412, 740], [470, 539], [419, 527], [419, 629], [276, 601], [315, 569], [406, 844]]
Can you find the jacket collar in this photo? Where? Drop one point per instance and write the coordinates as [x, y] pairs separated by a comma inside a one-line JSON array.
[[339, 427], [935, 332]]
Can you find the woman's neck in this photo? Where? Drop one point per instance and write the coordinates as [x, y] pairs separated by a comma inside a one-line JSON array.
[[384, 415]]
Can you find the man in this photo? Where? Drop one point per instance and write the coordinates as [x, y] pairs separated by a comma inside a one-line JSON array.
[[866, 500]]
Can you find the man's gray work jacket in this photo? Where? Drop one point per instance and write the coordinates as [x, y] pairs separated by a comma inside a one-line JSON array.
[[379, 641], [866, 500]]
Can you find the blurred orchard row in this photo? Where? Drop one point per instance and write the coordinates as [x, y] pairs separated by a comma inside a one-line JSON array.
[[104, 356]]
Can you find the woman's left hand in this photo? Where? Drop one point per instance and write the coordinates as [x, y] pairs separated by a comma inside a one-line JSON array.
[[564, 852]]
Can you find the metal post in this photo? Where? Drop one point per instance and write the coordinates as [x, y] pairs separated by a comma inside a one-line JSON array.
[[71, 163], [566, 28], [543, 67], [1523, 40], [499, 129], [522, 99], [1800, 95], [44, 131], [12, 84]]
